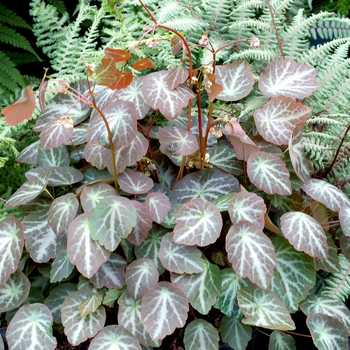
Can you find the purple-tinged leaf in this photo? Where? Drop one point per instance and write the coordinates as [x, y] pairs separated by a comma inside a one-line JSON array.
[[197, 223], [327, 194], [121, 118], [56, 132], [143, 224], [315, 304], [38, 206], [126, 156], [262, 308], [237, 80], [327, 332], [208, 184], [297, 155], [289, 78], [93, 153], [344, 218], [86, 254], [14, 292], [31, 328], [223, 202], [163, 309], [332, 263], [116, 338], [149, 248], [28, 191], [305, 234], [91, 305], [269, 173], [58, 176], [79, 135], [133, 93], [158, 205], [277, 119], [294, 275], [112, 219], [40, 241], [11, 246], [345, 246], [165, 169], [251, 253], [111, 274], [93, 176], [59, 156], [280, 340], [176, 76], [201, 289], [180, 258], [76, 328], [134, 182], [94, 194], [129, 315], [61, 267], [30, 154], [141, 275], [235, 333], [62, 212], [56, 297], [177, 140], [247, 206], [67, 104], [242, 145], [224, 158], [200, 334], [230, 285], [158, 95]]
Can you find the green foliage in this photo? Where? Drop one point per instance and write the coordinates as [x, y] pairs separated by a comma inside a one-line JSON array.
[[183, 186]]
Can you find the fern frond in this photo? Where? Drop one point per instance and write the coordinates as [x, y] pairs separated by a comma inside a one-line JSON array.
[[254, 54], [19, 58], [338, 285], [59, 4], [11, 18], [331, 28], [10, 77]]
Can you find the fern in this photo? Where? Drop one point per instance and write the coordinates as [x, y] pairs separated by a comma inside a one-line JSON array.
[[331, 28], [338, 285]]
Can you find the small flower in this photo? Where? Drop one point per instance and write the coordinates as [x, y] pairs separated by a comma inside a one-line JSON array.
[[150, 44], [203, 41], [254, 42], [194, 80], [208, 69]]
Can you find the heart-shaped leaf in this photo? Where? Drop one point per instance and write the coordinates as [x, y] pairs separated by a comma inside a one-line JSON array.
[[158, 95], [61, 267], [30, 154], [180, 258], [134, 182], [177, 76], [200, 334], [277, 119], [208, 184], [119, 55], [11, 246], [197, 223], [163, 308], [143, 64], [289, 78], [327, 194], [305, 234], [116, 338], [281, 341], [236, 334], [58, 176], [62, 212], [14, 292], [31, 328], [143, 224], [262, 308], [158, 205], [141, 275], [77, 328], [251, 253], [327, 332], [83, 252], [293, 277], [224, 158], [201, 289], [236, 79], [247, 206], [54, 157], [129, 315], [90, 305], [112, 219], [111, 274], [269, 173]]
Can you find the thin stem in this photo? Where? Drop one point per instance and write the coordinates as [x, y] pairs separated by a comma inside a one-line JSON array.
[[337, 153], [180, 173], [275, 27]]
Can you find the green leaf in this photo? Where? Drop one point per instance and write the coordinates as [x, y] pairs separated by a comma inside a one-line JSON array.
[[262, 308], [91, 305], [281, 341], [222, 202], [235, 333], [202, 289], [61, 267], [200, 334]]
